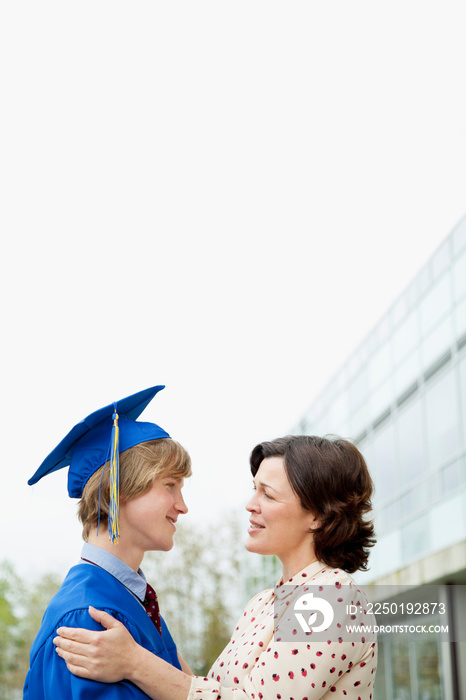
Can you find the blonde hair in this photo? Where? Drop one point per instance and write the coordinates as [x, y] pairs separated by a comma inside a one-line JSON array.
[[139, 467]]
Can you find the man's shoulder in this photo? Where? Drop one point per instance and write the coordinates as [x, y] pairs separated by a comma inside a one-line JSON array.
[[85, 585]]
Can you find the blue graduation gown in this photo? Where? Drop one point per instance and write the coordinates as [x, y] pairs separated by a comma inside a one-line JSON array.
[[48, 677]]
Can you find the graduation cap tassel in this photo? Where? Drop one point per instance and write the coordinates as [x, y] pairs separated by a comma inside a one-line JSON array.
[[114, 505]]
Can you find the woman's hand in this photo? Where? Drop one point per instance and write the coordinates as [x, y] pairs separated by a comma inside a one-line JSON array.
[[108, 656], [113, 655]]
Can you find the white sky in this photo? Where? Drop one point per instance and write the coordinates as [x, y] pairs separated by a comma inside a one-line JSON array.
[[221, 197]]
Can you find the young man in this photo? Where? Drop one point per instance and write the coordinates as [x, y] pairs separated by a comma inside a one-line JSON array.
[[127, 508]]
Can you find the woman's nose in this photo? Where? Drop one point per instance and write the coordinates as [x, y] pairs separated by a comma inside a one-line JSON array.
[[252, 504]]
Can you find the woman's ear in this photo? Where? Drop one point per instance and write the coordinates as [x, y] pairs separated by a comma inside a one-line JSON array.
[[316, 523]]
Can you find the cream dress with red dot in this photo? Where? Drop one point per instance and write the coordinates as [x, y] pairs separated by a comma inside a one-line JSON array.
[[257, 666]]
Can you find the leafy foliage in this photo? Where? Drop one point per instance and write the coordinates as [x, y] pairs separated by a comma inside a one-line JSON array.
[[21, 610], [200, 584], [197, 583]]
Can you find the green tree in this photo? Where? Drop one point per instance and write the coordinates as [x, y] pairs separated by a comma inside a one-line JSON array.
[[197, 586], [21, 610], [10, 641], [216, 629], [201, 584], [33, 603]]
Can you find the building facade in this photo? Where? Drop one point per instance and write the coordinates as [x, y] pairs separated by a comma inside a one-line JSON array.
[[401, 397]]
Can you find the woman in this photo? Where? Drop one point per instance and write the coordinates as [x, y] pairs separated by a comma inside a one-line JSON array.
[[311, 496]]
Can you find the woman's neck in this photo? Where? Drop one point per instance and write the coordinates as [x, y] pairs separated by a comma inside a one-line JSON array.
[[291, 568]]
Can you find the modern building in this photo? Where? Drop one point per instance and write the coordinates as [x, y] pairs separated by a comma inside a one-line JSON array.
[[401, 397]]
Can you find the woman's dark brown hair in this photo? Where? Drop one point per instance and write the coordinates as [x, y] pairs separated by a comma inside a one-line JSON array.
[[331, 479]]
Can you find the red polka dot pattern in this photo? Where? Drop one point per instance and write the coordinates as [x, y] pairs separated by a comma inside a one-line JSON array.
[[257, 666]]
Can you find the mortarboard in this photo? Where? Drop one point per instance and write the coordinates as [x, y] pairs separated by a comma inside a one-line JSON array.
[[98, 438]]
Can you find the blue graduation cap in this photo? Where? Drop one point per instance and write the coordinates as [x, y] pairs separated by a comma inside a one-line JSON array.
[[100, 438]]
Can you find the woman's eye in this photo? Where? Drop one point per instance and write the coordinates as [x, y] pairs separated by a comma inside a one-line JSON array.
[[267, 496]]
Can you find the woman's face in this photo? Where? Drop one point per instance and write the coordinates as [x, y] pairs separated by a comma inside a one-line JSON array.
[[279, 524]]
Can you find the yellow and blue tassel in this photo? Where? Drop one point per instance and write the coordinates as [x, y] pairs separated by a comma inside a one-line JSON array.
[[114, 505]]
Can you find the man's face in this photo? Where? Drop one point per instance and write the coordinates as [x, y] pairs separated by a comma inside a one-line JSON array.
[[147, 522]]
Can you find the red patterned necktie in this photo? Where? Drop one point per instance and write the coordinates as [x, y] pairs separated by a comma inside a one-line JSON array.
[[151, 605]]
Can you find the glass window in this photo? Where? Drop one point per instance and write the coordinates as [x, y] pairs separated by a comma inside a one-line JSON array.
[[441, 259], [309, 418], [414, 499], [459, 237], [359, 420], [321, 425], [407, 503], [436, 343], [462, 373], [387, 517], [459, 275], [381, 399], [370, 343], [443, 436], [407, 373], [331, 390], [412, 293], [381, 692], [428, 665], [401, 676], [358, 390], [460, 318], [435, 304], [354, 364], [452, 476], [405, 337], [400, 308], [379, 366], [341, 379], [434, 487], [384, 328], [411, 442], [415, 538], [384, 461], [425, 278], [410, 670], [338, 414]]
